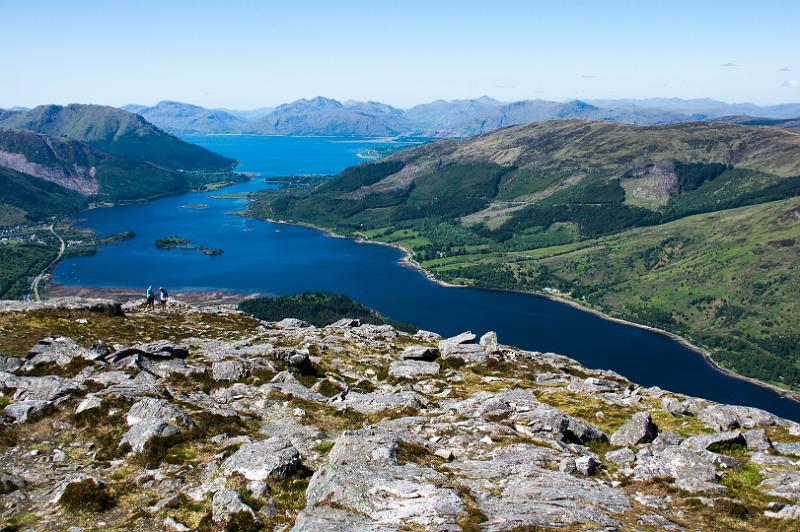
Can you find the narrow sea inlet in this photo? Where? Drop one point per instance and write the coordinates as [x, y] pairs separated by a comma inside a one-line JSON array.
[[282, 259]]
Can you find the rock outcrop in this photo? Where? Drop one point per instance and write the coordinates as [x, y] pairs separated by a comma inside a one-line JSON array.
[[206, 419]]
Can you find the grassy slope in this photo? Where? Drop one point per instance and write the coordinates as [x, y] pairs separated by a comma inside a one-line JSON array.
[[39, 199], [570, 186], [725, 280]]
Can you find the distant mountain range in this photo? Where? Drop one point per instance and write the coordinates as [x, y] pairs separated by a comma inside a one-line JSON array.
[[455, 118], [54, 159]]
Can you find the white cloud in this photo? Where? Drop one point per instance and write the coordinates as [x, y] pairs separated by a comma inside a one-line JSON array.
[[792, 83]]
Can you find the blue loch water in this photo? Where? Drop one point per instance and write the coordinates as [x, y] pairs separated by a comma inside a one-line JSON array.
[[282, 259]]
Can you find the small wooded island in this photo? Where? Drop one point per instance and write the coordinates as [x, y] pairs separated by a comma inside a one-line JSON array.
[[172, 242]]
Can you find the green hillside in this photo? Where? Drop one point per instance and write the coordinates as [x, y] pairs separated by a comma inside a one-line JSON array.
[[539, 206], [119, 133], [35, 199]]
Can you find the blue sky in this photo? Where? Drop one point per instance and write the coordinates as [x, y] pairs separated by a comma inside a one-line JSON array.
[[246, 54]]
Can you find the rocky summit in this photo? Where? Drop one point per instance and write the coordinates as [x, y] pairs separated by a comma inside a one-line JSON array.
[[209, 419]]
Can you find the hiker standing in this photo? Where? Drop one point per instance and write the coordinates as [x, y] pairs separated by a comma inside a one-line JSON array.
[[150, 301], [163, 298]]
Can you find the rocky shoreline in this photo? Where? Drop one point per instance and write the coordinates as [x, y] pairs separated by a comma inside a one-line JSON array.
[[204, 418]]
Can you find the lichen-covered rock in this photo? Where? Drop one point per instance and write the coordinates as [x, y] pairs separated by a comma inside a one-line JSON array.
[[419, 352], [702, 442], [229, 370], [692, 471], [149, 418], [515, 490], [226, 503], [729, 417], [275, 457], [26, 410], [413, 369], [397, 495], [638, 429], [757, 440]]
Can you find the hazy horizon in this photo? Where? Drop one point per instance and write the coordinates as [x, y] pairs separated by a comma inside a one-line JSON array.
[[243, 56]]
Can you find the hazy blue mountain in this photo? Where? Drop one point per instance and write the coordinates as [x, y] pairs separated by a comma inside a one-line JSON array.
[[248, 114], [187, 119], [326, 116], [440, 118], [704, 107], [470, 117]]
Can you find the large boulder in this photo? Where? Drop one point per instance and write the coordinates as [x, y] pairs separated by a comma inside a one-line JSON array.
[[729, 417], [413, 369], [229, 370], [692, 471], [59, 351], [515, 489], [275, 457], [402, 495], [227, 502], [701, 442], [150, 418], [26, 410], [419, 352], [638, 429]]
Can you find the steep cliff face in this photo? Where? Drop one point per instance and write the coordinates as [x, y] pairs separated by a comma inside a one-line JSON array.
[[205, 418]]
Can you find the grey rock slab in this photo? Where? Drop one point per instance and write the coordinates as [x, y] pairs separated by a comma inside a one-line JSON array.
[[757, 440], [303, 437], [790, 511], [587, 465], [89, 402], [792, 449], [26, 410], [275, 457], [229, 370], [784, 484], [419, 352], [545, 498], [593, 385], [469, 353], [413, 369], [47, 388], [58, 350], [691, 470], [729, 417], [365, 446], [227, 502], [291, 323], [325, 519], [151, 417], [702, 442], [489, 342], [517, 459], [638, 429], [675, 407], [621, 456], [345, 323], [404, 495], [372, 403], [10, 364], [467, 337]]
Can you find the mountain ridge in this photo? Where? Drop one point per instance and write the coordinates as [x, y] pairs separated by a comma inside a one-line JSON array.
[[440, 118]]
